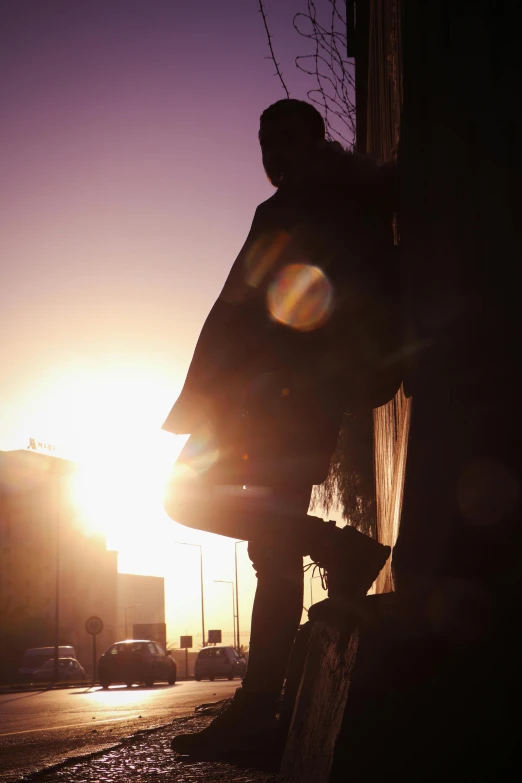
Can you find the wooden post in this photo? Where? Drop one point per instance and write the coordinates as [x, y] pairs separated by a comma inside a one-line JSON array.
[[309, 750]]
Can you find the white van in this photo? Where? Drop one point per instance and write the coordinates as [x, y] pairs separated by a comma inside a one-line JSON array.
[[35, 657]]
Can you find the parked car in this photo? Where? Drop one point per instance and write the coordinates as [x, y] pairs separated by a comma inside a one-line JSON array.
[[136, 660], [69, 670], [219, 661], [35, 657]]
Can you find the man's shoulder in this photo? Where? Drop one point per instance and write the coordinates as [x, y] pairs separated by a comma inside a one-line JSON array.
[[269, 204], [270, 213]]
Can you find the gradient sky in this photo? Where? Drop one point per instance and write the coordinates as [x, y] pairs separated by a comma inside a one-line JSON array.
[[131, 172]]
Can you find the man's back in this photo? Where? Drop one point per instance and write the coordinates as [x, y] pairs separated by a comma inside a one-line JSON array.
[[309, 310]]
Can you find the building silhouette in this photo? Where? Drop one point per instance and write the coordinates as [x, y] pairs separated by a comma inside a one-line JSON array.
[[54, 575], [140, 602]]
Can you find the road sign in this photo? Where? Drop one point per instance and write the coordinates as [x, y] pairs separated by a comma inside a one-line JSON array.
[[185, 642], [214, 637], [94, 625]]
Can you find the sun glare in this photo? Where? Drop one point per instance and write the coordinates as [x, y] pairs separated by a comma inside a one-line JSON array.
[[104, 417], [119, 493]]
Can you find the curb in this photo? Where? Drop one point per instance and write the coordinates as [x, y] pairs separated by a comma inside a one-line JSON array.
[[86, 757], [132, 739]]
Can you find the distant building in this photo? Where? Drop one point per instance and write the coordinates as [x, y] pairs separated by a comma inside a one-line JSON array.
[[48, 563], [141, 601], [155, 631]]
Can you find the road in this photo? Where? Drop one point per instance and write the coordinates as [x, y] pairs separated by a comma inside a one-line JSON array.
[[40, 728]]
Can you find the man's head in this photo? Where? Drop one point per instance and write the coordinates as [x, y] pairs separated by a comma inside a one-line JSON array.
[[289, 133]]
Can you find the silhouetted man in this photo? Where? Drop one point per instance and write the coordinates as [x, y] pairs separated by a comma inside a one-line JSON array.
[[303, 330]]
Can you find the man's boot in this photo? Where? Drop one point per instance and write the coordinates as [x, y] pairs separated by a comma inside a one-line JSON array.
[[246, 730], [352, 560]]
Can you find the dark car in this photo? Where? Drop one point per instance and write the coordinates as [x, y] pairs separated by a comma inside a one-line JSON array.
[[69, 670], [136, 660], [219, 661], [36, 657]]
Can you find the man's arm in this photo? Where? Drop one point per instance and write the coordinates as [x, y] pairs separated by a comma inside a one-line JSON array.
[[220, 345]]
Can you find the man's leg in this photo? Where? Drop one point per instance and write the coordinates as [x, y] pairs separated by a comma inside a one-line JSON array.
[[276, 614], [250, 722], [278, 603]]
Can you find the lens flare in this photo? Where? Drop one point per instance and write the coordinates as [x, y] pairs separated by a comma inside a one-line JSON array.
[[301, 296], [263, 256], [199, 454]]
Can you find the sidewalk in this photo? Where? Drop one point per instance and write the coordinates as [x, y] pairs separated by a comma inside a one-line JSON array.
[[146, 757]]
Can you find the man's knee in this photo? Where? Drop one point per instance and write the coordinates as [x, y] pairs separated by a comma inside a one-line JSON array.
[[185, 502], [173, 510], [276, 561]]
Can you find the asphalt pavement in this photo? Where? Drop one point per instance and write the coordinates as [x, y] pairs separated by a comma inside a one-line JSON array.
[[144, 756]]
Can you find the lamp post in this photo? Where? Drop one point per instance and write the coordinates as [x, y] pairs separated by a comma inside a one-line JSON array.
[[57, 582], [133, 606], [60, 468], [186, 543], [237, 598], [228, 582]]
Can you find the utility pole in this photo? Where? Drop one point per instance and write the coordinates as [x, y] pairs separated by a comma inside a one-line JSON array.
[[237, 598], [186, 543], [228, 582], [57, 580]]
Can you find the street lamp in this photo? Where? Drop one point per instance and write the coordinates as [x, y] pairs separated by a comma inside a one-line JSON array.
[[186, 543], [237, 597], [228, 582], [125, 610], [60, 468], [57, 582]]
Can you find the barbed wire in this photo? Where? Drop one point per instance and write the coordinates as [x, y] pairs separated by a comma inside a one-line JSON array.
[[272, 55], [329, 65]]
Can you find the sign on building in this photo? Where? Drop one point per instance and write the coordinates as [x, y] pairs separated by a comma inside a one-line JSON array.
[[40, 445]]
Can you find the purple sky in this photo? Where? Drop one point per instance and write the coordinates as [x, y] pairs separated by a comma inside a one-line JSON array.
[[130, 176], [131, 173]]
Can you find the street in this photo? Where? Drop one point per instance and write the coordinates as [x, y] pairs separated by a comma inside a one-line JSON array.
[[40, 728]]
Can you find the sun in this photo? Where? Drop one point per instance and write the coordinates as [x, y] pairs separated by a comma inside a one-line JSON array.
[[107, 417], [120, 492]]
